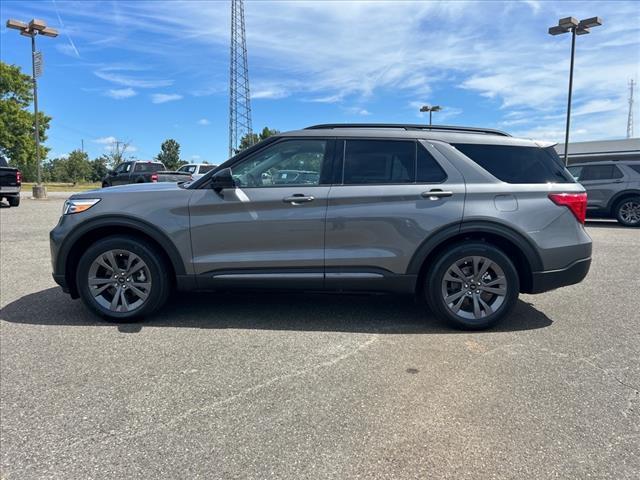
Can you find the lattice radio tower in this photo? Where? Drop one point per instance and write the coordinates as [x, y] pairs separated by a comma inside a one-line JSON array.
[[239, 96], [630, 118]]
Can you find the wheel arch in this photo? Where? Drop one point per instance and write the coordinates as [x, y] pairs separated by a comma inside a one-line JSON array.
[[77, 243], [514, 244], [618, 197]]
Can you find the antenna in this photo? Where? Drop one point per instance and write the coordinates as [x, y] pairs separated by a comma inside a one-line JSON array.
[[630, 118], [239, 96]]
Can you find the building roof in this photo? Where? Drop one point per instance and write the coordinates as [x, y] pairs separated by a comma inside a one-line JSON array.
[[626, 149]]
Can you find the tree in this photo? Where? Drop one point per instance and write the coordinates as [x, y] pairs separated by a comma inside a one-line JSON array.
[[77, 167], [170, 154], [99, 168], [116, 155], [248, 140], [17, 141]]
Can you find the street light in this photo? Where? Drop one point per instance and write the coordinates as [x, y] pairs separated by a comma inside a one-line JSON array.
[[32, 29], [430, 109], [566, 25]]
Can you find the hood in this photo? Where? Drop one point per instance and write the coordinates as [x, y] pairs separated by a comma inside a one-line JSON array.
[[131, 188]]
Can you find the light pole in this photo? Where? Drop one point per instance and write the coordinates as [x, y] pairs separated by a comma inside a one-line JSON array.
[[430, 109], [33, 28], [566, 25]]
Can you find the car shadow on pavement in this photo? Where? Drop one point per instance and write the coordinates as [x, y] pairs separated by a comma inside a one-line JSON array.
[[266, 311], [602, 223]]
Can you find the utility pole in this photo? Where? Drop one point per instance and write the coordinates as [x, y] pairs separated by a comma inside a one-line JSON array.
[[82, 145], [33, 28], [632, 84], [239, 96]]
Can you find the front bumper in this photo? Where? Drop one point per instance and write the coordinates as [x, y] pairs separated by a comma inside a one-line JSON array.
[[552, 279]]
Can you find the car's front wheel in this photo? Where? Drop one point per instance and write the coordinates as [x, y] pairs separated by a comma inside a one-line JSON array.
[[472, 285], [628, 212], [122, 278]]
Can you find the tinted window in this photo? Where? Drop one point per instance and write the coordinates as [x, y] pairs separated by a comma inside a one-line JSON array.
[[513, 164], [575, 171], [188, 168], [600, 172], [291, 162], [428, 169], [3, 162], [124, 167], [379, 162], [206, 168], [148, 167], [635, 167]]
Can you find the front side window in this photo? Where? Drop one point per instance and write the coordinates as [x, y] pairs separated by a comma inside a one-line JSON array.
[[123, 168], [379, 162], [515, 164], [290, 162], [188, 168]]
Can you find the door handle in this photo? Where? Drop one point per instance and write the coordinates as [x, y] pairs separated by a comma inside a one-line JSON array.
[[618, 181], [436, 194], [298, 198]]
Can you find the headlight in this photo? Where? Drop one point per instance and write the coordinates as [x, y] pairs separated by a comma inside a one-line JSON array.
[[79, 205]]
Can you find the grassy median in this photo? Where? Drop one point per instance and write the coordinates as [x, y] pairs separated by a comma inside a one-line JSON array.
[[63, 187]]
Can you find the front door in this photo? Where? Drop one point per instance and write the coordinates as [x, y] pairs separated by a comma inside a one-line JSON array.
[[269, 230], [122, 174]]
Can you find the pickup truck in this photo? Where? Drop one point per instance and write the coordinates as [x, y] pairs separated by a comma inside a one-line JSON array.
[[10, 183], [142, 172]]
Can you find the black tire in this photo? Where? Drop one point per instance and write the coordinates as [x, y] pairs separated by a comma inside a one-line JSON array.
[[14, 201], [157, 270], [105, 185], [622, 213], [434, 287]]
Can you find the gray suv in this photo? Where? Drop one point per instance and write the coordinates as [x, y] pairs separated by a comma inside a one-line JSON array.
[[465, 218], [613, 189]]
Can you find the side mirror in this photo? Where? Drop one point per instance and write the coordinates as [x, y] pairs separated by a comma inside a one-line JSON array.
[[222, 179]]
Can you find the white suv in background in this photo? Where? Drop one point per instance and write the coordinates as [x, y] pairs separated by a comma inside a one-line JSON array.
[[197, 170]]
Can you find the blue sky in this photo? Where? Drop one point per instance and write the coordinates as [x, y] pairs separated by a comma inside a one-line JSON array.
[[143, 71]]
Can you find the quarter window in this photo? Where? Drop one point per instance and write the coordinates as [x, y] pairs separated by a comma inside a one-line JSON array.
[[379, 162], [515, 164], [290, 162], [428, 169]]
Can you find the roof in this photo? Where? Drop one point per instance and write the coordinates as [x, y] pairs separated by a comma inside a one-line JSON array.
[[449, 134], [602, 150]]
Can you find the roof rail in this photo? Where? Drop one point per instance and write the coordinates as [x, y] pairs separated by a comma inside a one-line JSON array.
[[437, 128]]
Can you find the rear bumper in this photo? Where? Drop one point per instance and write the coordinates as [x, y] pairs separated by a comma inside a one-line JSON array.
[[552, 279]]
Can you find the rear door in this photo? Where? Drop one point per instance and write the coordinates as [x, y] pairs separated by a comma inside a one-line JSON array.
[[601, 182], [388, 197], [265, 233]]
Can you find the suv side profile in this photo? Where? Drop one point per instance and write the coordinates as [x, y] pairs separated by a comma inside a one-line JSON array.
[[465, 218], [613, 189]]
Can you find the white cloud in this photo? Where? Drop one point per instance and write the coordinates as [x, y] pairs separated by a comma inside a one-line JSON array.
[[165, 97], [269, 93], [120, 93], [106, 140], [195, 157], [358, 111], [203, 121], [111, 74]]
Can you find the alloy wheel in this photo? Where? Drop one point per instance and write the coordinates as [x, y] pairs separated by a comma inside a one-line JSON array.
[[630, 212], [119, 280], [474, 287]]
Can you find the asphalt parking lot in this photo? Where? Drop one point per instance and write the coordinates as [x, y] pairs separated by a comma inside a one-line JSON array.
[[317, 386]]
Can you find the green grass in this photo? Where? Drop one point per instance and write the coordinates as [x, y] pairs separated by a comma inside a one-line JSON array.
[[64, 187]]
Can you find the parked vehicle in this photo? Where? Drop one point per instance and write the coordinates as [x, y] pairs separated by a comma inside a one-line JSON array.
[[466, 218], [196, 170], [141, 172], [613, 189], [10, 183]]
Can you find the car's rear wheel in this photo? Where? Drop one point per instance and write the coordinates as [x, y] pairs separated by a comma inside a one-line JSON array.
[[122, 278], [472, 286], [628, 212], [14, 201], [105, 185]]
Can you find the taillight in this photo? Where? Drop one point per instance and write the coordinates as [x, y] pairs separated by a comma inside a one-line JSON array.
[[18, 177], [576, 202], [154, 177]]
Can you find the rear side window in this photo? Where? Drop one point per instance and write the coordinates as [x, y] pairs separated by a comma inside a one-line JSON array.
[[635, 167], [428, 170], [206, 168], [600, 172], [513, 164], [379, 162]]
